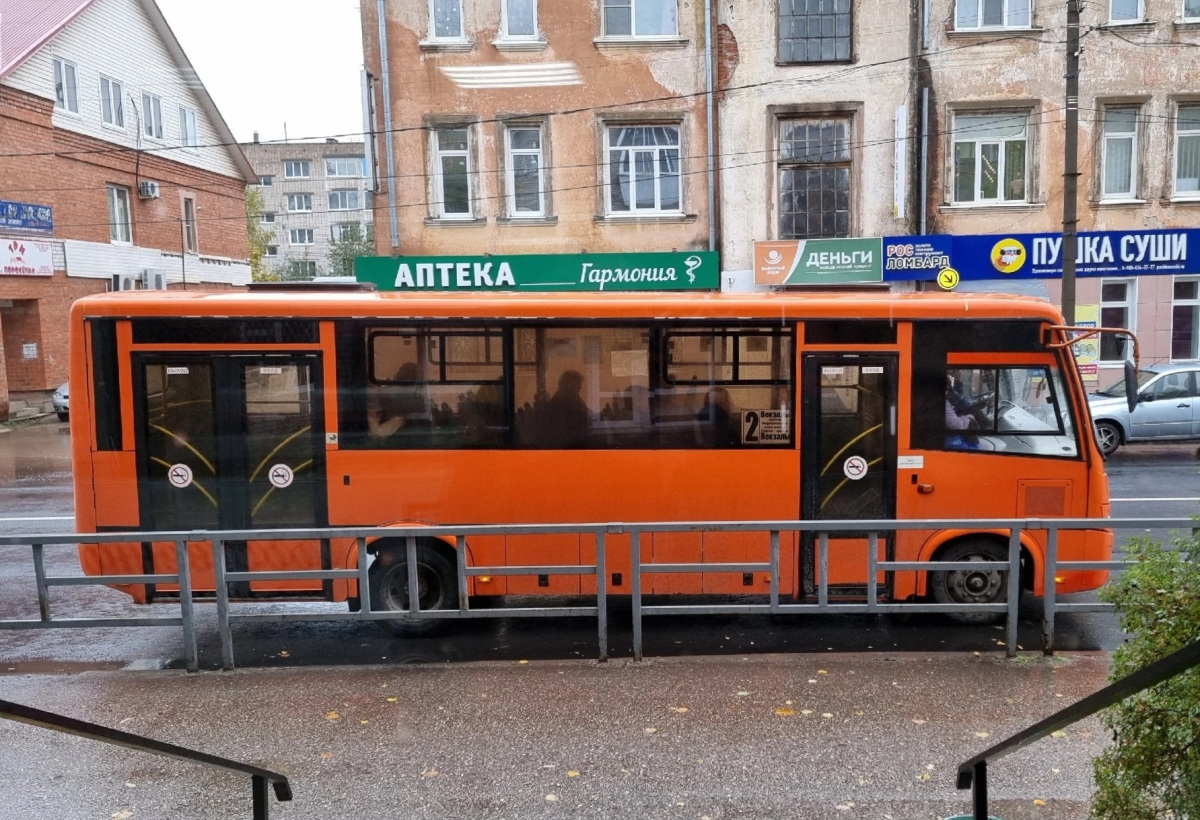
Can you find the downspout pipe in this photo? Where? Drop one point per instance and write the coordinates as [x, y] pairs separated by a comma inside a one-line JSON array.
[[710, 105], [393, 216]]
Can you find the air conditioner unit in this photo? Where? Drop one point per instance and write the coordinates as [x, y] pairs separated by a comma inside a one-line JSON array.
[[127, 281], [154, 280], [148, 189]]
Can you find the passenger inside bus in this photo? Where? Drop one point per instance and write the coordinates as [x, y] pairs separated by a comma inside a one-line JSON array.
[[399, 404], [959, 419], [565, 422], [717, 419]]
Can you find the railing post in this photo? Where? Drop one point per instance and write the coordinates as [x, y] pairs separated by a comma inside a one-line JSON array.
[[774, 570], [823, 564], [414, 592], [872, 558], [222, 605], [602, 594], [979, 795], [460, 561], [186, 608], [43, 589], [1014, 589], [635, 583], [262, 805], [1050, 591], [364, 581]]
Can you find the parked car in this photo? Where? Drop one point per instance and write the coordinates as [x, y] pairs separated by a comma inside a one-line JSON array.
[[1168, 407], [61, 402]]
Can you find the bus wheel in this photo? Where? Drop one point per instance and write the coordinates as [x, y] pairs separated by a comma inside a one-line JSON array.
[[984, 586], [437, 587], [1108, 437]]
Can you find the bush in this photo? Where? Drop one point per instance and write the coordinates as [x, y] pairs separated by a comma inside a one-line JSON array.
[[1152, 768]]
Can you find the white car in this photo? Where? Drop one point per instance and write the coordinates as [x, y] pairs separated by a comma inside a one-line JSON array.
[[61, 402]]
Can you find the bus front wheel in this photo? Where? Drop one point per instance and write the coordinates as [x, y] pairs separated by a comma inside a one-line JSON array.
[[437, 587], [982, 586]]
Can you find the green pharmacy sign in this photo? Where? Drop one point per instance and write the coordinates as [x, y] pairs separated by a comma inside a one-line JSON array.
[[593, 272]]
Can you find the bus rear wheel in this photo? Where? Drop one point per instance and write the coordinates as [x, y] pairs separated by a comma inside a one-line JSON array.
[[437, 587], [982, 586]]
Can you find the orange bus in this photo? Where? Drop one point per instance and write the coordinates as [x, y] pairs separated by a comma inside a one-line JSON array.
[[259, 410]]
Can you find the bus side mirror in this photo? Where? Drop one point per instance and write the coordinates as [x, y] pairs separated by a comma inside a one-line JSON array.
[[1131, 385]]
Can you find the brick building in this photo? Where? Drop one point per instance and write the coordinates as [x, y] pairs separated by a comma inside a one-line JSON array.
[[116, 171]]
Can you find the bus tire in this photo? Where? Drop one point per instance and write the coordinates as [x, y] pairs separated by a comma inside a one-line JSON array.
[[437, 587], [971, 586]]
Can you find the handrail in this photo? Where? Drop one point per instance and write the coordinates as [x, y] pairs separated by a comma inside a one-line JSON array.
[[972, 774], [93, 731]]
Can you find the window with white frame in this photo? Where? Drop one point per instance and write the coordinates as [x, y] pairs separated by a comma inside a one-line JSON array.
[[152, 119], [1118, 160], [1126, 11], [643, 169], [66, 86], [525, 181], [452, 172], [343, 200], [985, 14], [1118, 301], [267, 217], [120, 228], [297, 169], [190, 238], [1187, 151], [1191, 11], [349, 231], [299, 203], [812, 33], [345, 167], [446, 19], [302, 269], [272, 250], [301, 236], [112, 104], [640, 18], [814, 177], [188, 137], [266, 181], [1185, 319], [518, 20], [989, 157]]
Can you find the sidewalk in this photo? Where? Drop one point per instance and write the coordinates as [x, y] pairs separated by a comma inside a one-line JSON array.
[[770, 736]]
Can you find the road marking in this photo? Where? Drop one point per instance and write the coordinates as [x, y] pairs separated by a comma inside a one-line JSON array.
[[1155, 499], [43, 518]]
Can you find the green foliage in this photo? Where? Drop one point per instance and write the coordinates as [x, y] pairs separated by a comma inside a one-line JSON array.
[[1152, 768], [259, 237], [353, 242]]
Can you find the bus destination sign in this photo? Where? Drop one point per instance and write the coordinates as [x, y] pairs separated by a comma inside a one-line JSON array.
[[595, 272]]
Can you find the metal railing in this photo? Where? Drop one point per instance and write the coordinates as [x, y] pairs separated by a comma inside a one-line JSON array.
[[972, 774], [259, 778], [821, 531]]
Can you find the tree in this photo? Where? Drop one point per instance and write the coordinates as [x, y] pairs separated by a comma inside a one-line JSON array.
[[352, 242], [259, 237], [1152, 768]]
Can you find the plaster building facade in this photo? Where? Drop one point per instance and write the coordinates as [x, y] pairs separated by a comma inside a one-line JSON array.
[[313, 194], [512, 126], [117, 171]]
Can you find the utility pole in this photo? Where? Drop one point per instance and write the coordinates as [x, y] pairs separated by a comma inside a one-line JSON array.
[[1071, 164]]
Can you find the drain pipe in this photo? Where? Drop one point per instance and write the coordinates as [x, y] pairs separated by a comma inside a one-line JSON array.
[[393, 217], [710, 103]]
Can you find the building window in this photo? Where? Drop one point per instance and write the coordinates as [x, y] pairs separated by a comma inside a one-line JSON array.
[[152, 119], [1191, 10], [345, 167], [1126, 11], [1185, 319], [272, 250], [989, 157], [1117, 301], [643, 169], [120, 228], [267, 217], [297, 169], [446, 19], [1119, 159], [190, 242], [66, 86], [814, 33], [814, 178], [266, 181], [452, 172], [1187, 151], [301, 236], [112, 105], [187, 128], [519, 20], [343, 200], [299, 203], [302, 269], [976, 14], [640, 18], [345, 231], [524, 171]]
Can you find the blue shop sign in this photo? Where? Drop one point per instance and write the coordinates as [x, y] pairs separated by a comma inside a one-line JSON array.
[[1161, 252], [26, 216]]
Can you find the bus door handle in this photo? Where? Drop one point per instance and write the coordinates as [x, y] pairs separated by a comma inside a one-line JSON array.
[[924, 489]]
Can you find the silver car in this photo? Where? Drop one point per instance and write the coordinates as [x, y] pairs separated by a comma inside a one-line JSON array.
[[1167, 407], [61, 400]]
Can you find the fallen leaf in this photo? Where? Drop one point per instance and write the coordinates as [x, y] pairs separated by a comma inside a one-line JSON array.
[[812, 680], [391, 700], [784, 712], [742, 693], [522, 662], [572, 773], [822, 672], [981, 734], [923, 776], [918, 721], [1058, 733], [283, 653], [131, 785], [680, 709], [1039, 802], [122, 815], [1056, 771], [929, 766], [430, 773], [364, 720], [332, 716], [860, 713], [326, 755], [552, 798], [806, 711], [827, 714], [650, 730]]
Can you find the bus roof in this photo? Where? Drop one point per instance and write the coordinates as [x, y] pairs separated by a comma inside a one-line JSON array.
[[425, 304]]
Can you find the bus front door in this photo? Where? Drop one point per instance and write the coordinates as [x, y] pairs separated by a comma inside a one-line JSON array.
[[848, 464], [232, 443]]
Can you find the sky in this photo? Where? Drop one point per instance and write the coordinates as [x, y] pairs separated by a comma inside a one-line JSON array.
[[279, 67]]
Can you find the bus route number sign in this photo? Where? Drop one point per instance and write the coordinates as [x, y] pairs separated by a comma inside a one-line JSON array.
[[764, 427]]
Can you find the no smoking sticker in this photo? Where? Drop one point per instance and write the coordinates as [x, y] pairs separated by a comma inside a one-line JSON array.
[[180, 475], [854, 467], [281, 476]]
